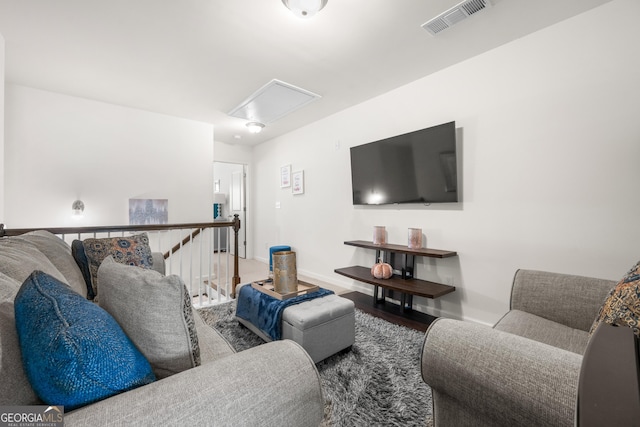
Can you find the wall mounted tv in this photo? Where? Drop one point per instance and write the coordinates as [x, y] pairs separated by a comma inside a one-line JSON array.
[[417, 167]]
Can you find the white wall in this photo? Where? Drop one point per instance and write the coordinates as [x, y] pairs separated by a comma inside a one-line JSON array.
[[233, 153], [61, 148], [551, 141]]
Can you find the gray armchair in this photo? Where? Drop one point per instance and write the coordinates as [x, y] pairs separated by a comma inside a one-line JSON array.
[[524, 371]]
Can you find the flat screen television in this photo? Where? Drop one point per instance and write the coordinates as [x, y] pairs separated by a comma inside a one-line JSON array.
[[417, 167]]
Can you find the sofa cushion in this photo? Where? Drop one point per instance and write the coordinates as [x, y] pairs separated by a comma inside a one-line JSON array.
[[546, 331], [213, 345], [19, 258], [622, 306], [154, 311], [74, 353], [9, 287], [16, 389], [132, 250], [59, 253]]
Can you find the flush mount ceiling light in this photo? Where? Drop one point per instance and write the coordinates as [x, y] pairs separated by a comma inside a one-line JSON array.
[[305, 8], [254, 127]]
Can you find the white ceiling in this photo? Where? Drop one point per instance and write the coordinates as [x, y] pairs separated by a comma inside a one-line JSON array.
[[198, 59]]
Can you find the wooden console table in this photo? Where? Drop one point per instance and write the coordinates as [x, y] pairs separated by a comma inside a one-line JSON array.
[[405, 283]]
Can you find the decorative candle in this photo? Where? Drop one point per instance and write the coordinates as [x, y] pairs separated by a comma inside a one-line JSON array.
[[415, 238], [379, 235]]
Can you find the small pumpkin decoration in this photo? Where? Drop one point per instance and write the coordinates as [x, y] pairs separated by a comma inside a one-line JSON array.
[[381, 270]]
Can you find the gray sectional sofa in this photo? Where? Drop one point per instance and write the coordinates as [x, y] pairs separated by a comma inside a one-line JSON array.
[[524, 371], [275, 384]]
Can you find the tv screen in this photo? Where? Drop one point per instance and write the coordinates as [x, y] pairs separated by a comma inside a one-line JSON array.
[[417, 167]]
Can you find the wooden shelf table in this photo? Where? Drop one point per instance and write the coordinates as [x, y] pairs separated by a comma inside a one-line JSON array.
[[405, 283]]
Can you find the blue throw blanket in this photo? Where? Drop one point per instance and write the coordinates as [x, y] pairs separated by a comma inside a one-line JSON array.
[[265, 311]]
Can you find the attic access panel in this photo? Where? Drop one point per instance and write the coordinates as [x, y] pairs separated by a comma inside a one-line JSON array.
[[273, 101]]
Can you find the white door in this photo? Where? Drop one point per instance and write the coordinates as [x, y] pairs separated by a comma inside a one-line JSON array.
[[237, 207], [230, 180]]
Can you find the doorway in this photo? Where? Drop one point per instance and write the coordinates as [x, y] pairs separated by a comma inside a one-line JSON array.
[[230, 179]]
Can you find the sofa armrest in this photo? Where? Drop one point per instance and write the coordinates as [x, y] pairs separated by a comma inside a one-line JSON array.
[[567, 299], [274, 384], [497, 377]]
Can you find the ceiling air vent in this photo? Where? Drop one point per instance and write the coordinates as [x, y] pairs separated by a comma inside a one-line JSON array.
[[454, 15]]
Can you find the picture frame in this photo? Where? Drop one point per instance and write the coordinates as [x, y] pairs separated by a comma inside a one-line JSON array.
[[298, 182], [148, 211], [285, 176]]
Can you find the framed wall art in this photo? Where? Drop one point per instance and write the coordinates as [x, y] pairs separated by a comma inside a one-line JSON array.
[[148, 211], [285, 176], [298, 182]]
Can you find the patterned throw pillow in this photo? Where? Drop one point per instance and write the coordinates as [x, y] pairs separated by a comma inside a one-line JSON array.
[[73, 352], [132, 250], [622, 306], [155, 312]]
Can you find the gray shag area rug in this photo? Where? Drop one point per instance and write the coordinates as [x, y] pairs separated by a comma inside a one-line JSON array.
[[376, 383]]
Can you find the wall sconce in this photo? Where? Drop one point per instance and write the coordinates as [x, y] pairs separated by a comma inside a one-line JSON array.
[[78, 209]]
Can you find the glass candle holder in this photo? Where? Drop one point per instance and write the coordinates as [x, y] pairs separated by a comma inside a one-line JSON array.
[[379, 235], [415, 238]]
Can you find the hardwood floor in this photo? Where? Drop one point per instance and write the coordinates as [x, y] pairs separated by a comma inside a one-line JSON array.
[[390, 312]]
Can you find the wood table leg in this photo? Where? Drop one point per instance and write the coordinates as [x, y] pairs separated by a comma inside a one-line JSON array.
[[376, 300]]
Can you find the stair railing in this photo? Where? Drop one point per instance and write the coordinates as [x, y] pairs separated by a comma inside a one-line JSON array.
[[200, 250]]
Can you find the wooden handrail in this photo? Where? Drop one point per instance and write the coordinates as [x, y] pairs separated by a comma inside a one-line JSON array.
[[235, 224], [114, 228]]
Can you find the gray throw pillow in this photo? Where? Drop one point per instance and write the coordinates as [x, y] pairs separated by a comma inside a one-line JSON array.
[[155, 312]]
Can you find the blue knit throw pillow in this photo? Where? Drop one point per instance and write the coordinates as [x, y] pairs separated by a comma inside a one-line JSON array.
[[73, 352]]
